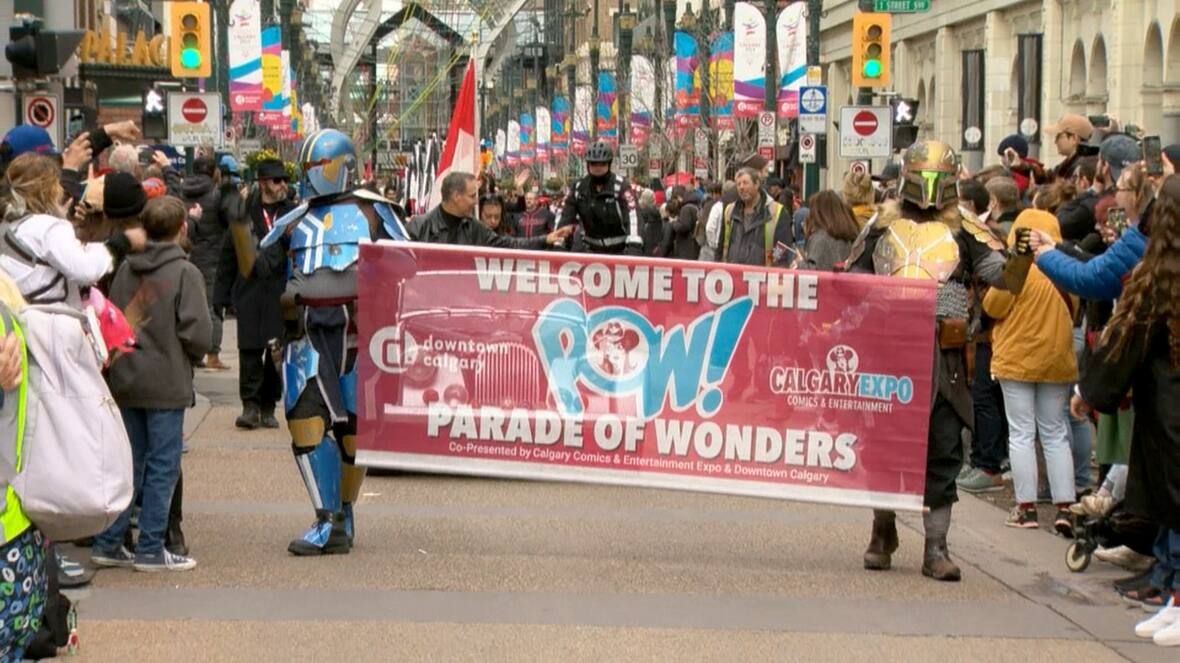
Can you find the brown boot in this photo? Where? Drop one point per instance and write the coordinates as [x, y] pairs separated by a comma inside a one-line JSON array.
[[213, 363], [878, 556], [936, 563]]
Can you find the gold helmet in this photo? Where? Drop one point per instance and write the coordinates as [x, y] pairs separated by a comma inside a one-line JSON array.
[[929, 175]]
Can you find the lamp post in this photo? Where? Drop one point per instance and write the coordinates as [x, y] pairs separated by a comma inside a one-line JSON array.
[[627, 22], [594, 43]]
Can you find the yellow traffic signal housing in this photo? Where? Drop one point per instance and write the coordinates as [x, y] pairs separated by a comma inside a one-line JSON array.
[[870, 50], [191, 40]]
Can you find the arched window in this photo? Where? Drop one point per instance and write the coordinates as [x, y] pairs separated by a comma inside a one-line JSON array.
[[1077, 71], [1096, 83]]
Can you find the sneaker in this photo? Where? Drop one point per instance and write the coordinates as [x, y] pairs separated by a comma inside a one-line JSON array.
[[71, 574], [164, 561], [1167, 616], [121, 558], [1024, 518], [1124, 557], [980, 481], [1168, 636], [1063, 523], [965, 472], [1148, 598]]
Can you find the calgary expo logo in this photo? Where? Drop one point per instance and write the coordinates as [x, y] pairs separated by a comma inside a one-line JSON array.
[[840, 384]]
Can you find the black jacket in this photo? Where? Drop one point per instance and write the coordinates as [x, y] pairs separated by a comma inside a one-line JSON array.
[[684, 244], [657, 235], [1145, 369], [608, 215], [1077, 216], [256, 297], [434, 227], [208, 233]]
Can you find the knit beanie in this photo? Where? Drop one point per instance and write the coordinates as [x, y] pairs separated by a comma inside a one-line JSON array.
[[123, 196]]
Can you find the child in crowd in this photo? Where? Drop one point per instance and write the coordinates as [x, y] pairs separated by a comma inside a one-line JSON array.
[[163, 295]]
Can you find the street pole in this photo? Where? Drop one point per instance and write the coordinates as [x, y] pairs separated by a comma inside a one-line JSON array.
[[814, 9], [772, 69]]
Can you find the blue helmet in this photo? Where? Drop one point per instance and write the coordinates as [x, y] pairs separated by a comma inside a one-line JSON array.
[[328, 162]]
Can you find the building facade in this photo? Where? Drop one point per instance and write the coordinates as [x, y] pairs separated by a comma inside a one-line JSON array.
[[1008, 66]]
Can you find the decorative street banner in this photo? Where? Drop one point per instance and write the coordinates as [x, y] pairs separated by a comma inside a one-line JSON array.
[[245, 56], [670, 99], [561, 128], [501, 147], [607, 127], [808, 386], [583, 112], [721, 80], [544, 131], [749, 60], [643, 99], [272, 77], [792, 58], [688, 82], [527, 150], [513, 159]]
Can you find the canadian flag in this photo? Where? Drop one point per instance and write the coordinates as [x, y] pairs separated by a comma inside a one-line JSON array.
[[461, 152]]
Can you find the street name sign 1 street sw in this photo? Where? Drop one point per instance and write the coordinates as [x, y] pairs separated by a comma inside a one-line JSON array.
[[901, 6]]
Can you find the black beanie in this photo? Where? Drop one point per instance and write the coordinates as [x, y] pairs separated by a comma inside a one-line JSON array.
[[123, 196]]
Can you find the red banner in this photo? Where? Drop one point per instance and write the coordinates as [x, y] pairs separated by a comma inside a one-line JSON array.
[[720, 378]]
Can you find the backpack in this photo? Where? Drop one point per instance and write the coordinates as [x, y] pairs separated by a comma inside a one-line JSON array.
[[776, 211], [74, 467]]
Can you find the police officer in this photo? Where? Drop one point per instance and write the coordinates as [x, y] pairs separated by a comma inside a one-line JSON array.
[[605, 207]]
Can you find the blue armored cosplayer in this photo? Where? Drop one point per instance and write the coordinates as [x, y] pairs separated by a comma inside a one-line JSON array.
[[322, 239]]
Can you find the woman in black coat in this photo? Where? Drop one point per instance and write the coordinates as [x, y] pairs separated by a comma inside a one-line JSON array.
[[1140, 353]]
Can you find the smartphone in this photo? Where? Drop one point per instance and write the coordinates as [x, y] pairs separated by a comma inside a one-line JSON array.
[[1099, 121], [1116, 218], [145, 156], [1153, 155]]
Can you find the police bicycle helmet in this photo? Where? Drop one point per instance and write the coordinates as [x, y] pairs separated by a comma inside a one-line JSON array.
[[599, 152]]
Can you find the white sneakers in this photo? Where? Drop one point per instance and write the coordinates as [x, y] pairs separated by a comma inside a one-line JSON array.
[[1124, 557], [1163, 627]]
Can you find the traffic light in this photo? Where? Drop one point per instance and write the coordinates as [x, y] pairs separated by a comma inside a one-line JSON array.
[[870, 49], [35, 52], [905, 128], [191, 40]]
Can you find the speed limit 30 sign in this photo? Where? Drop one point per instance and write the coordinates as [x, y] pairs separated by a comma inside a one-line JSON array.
[[628, 157]]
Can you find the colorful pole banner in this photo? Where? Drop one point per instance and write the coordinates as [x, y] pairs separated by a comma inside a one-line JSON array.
[[513, 159], [245, 56], [272, 77], [607, 125], [528, 152], [561, 128], [643, 99], [688, 81], [721, 80], [792, 58], [544, 134], [809, 386], [583, 112], [501, 149], [670, 95], [749, 60]]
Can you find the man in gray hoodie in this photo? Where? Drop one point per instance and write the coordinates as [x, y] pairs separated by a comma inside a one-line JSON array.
[[163, 295]]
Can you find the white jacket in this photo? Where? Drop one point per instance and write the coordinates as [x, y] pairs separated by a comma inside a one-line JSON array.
[[53, 241]]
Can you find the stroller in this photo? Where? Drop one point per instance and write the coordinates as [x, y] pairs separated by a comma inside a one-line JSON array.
[[1114, 528]]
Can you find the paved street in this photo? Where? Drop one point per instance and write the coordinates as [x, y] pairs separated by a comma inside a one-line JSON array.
[[470, 569]]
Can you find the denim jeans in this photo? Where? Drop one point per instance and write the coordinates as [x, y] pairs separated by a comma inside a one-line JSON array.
[[1166, 574], [1037, 407], [1081, 441], [989, 446], [156, 441]]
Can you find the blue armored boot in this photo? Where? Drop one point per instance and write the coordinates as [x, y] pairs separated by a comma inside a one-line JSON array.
[[320, 468]]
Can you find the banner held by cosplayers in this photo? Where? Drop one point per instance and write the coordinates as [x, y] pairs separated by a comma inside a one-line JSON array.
[[655, 373]]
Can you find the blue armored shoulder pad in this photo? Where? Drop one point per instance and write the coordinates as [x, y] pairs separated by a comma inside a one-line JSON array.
[[281, 225]]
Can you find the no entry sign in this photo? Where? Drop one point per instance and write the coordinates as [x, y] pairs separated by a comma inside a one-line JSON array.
[[194, 110], [865, 123], [866, 132], [194, 119]]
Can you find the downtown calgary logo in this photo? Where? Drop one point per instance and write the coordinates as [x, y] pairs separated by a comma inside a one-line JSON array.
[[841, 385]]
